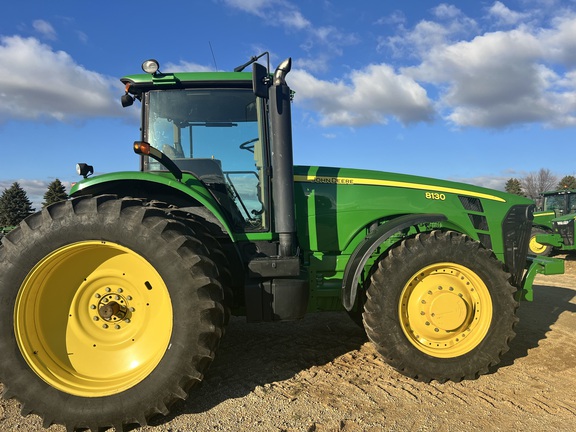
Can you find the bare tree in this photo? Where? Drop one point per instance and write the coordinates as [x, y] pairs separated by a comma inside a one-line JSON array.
[[537, 182]]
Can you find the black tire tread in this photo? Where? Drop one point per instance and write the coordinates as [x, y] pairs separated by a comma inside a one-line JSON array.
[[137, 218], [389, 340]]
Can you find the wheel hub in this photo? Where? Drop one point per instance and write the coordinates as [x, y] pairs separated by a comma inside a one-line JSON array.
[[112, 306], [445, 310]]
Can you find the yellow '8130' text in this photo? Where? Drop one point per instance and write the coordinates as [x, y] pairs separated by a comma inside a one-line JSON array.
[[435, 196]]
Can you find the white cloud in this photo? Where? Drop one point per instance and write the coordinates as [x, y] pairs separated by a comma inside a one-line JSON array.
[[37, 82], [255, 7], [451, 26], [491, 182], [560, 41], [446, 11], [504, 78], [294, 19], [45, 29], [285, 14], [505, 16], [367, 97], [476, 78]]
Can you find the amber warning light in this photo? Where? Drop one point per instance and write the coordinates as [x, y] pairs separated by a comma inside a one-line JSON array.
[[141, 147], [144, 148]]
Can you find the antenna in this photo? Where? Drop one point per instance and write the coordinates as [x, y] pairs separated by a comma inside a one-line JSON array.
[[213, 58]]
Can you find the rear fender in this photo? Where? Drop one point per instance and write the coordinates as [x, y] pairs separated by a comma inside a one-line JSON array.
[[190, 192]]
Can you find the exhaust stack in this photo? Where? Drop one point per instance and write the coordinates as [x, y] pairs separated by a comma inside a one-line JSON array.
[[282, 159]]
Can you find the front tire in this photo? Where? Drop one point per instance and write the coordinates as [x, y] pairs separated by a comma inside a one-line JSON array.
[[440, 307], [110, 312], [536, 248]]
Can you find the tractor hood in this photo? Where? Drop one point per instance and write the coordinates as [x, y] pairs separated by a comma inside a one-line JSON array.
[[565, 218], [348, 176]]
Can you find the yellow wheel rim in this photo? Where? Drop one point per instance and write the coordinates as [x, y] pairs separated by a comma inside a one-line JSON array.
[[93, 318], [535, 247], [445, 310]]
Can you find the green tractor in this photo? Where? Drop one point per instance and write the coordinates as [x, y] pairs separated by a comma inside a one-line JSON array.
[[562, 236], [553, 204], [113, 303]]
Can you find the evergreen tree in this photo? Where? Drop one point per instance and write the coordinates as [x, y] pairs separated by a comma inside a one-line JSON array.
[[56, 192], [14, 205], [514, 186], [567, 182]]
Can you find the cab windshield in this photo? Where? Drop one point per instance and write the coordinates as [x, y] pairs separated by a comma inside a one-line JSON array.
[[554, 203], [215, 135]]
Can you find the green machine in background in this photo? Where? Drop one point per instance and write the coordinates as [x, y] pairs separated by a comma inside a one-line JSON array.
[[553, 205]]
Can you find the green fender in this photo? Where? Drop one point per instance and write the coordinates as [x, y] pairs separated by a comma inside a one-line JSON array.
[[366, 248], [189, 188]]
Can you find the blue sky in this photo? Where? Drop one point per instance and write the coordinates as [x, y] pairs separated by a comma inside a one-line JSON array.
[[474, 91]]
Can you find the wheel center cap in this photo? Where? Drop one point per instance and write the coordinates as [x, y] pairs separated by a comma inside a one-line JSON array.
[[447, 311], [112, 309]]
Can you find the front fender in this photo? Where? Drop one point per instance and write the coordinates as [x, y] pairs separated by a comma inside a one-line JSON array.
[[366, 248], [150, 185]]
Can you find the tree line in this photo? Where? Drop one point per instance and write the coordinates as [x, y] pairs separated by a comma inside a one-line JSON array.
[[535, 183], [15, 205]]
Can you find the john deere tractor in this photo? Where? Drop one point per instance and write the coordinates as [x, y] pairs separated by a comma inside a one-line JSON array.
[[554, 204], [113, 303]]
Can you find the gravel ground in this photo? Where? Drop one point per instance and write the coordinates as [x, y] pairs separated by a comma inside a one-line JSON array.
[[321, 374]]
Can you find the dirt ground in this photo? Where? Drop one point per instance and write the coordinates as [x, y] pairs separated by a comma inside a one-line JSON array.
[[320, 374]]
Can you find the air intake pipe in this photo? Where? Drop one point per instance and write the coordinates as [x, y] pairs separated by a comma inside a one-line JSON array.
[[282, 160]]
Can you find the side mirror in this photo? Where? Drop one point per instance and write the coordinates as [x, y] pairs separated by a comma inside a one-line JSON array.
[[260, 80], [126, 100]]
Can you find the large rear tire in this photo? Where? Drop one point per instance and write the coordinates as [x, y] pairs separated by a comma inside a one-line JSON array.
[[440, 307], [110, 312]]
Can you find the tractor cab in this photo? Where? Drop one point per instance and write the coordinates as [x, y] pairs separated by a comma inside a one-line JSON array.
[[560, 202], [212, 126], [215, 135]]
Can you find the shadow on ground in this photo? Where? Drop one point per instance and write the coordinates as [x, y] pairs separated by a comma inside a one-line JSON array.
[[536, 319], [253, 355]]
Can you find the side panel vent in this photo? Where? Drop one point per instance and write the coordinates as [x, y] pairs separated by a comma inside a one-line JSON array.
[[479, 222], [471, 204]]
